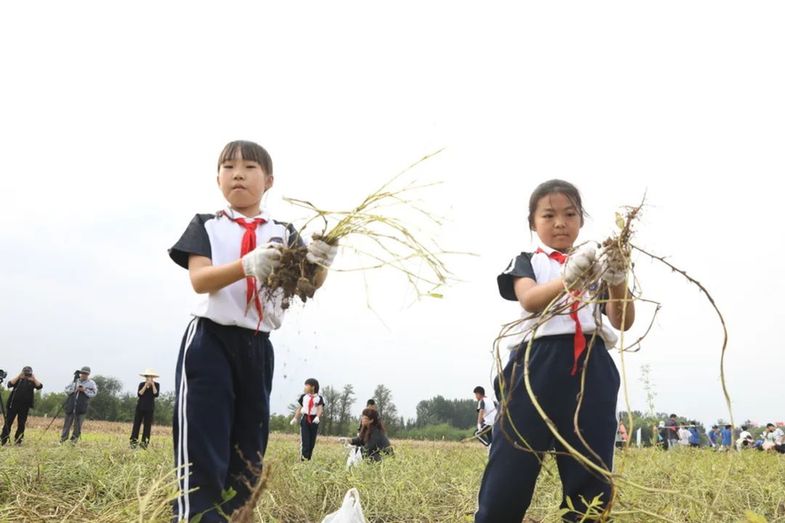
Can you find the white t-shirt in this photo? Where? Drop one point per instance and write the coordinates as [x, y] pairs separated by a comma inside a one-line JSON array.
[[776, 436], [217, 237], [744, 436], [489, 410], [542, 269], [305, 401]]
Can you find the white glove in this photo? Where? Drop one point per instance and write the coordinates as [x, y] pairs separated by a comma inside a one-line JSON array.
[[315, 419], [321, 253], [612, 266], [293, 421], [261, 261], [479, 426], [581, 265]]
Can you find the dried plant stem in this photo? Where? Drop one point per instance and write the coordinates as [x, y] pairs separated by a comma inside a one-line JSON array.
[[395, 242], [621, 244], [722, 322]]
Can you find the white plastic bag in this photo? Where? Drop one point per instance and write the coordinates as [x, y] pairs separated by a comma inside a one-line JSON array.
[[350, 511], [355, 456]]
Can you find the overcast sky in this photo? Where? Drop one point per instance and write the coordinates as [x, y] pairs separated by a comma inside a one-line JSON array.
[[113, 116]]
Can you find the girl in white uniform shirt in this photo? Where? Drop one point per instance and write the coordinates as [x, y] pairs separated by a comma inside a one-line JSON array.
[[308, 414]]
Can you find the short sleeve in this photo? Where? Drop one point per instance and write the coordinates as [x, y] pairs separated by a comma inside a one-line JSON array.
[[300, 399], [321, 400], [294, 238], [481, 405], [193, 241], [519, 267]]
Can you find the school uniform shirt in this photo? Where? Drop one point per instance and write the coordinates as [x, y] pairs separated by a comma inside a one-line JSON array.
[[684, 436], [695, 437], [489, 406], [147, 400], [217, 237], [305, 401], [726, 437], [541, 268]]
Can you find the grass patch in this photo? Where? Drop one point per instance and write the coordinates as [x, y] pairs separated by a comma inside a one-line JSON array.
[[102, 479]]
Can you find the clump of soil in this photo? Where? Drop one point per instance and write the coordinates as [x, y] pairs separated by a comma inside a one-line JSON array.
[[295, 275]]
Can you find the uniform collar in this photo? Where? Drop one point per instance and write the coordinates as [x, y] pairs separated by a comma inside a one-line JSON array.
[[547, 250], [231, 213]]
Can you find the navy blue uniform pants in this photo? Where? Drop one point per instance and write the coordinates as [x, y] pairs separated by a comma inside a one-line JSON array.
[[308, 433], [221, 419], [485, 435], [511, 473]]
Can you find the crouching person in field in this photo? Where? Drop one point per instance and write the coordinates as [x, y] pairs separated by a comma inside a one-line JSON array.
[[373, 439]]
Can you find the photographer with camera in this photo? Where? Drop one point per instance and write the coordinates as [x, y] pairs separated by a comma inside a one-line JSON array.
[[19, 404], [145, 407], [80, 391]]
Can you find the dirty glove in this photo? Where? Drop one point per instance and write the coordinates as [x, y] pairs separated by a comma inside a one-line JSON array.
[[581, 265], [612, 266], [261, 261], [321, 253]]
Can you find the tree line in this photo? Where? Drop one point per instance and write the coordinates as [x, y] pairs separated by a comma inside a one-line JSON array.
[[436, 418]]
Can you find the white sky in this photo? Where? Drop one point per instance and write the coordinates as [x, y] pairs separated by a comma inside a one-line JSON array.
[[113, 116]]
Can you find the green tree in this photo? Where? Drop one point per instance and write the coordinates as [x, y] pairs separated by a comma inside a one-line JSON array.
[[388, 412], [329, 420], [344, 412], [106, 404], [460, 413], [164, 408]]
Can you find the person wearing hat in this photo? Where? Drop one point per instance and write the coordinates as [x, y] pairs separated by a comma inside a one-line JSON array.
[[19, 404], [80, 392], [145, 407]]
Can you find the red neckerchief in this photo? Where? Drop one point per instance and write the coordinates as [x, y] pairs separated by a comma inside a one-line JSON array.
[[248, 244], [579, 341], [310, 406]]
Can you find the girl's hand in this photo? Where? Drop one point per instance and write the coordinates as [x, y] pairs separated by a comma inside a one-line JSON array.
[[321, 253], [581, 265], [613, 266], [261, 261]]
